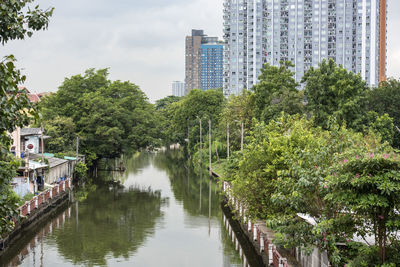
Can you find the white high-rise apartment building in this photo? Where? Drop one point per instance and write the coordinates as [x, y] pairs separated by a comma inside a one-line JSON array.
[[351, 32], [178, 88]]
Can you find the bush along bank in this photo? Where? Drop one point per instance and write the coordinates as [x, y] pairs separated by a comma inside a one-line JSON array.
[[321, 189]]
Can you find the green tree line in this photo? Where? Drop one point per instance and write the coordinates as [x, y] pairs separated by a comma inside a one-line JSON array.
[[327, 151]]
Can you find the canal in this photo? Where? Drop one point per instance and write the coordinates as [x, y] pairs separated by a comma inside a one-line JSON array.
[[157, 213]]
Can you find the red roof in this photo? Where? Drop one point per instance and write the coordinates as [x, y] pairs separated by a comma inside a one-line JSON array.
[[33, 98]]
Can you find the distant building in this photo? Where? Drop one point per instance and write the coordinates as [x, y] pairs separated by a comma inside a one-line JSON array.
[[33, 97], [201, 47], [178, 88], [212, 66], [351, 32]]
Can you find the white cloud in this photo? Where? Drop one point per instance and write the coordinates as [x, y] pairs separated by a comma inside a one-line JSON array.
[[140, 43]]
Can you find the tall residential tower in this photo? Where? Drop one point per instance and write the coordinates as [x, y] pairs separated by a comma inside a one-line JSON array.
[[203, 62], [351, 32]]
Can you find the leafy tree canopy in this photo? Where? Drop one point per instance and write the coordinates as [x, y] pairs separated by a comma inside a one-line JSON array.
[[385, 99], [238, 109], [110, 117], [166, 101], [196, 105], [17, 21], [286, 170], [334, 92], [276, 92]]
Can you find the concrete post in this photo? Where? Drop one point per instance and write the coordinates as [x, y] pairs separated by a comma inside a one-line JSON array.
[[209, 134], [270, 254], [261, 243], [227, 140], [242, 137]]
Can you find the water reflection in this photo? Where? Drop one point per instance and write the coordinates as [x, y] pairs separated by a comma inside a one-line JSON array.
[[112, 221], [160, 212], [34, 245]]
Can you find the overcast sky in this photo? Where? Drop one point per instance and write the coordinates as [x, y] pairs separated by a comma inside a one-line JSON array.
[[142, 41]]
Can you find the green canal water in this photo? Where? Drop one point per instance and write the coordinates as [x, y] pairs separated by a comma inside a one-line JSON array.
[[157, 213]]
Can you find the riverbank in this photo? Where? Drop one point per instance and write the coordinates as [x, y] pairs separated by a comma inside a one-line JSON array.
[[260, 235], [36, 210]]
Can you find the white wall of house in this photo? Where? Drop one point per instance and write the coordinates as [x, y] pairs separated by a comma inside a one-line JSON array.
[[16, 138], [56, 172], [34, 141]]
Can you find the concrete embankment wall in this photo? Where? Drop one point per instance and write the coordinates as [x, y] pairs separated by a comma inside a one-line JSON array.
[[262, 237], [35, 210], [248, 252]]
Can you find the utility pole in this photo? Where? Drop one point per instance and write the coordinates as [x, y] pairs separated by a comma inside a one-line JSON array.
[[201, 146], [397, 128], [227, 140], [209, 137], [41, 130], [188, 138], [242, 137], [77, 148], [27, 170]]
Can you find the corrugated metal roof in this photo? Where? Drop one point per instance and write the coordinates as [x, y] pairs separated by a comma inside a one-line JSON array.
[[53, 162], [30, 131]]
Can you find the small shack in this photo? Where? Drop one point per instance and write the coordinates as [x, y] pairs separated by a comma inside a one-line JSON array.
[[59, 169]]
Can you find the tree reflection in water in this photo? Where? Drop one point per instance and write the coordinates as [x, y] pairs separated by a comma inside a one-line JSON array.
[[111, 221]]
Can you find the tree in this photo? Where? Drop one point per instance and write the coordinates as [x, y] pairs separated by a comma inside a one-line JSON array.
[[17, 21], [238, 109], [197, 105], [166, 101], [283, 174], [165, 112], [385, 99], [62, 131], [367, 185], [277, 92], [333, 92], [381, 125], [110, 117]]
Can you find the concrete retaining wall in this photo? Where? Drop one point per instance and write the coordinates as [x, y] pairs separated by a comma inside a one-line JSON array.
[[33, 211]]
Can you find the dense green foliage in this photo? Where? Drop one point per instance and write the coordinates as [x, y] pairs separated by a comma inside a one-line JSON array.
[[110, 117], [333, 92], [165, 112], [63, 134], [305, 168], [80, 171], [238, 109], [16, 22], [347, 183], [277, 92], [385, 99], [182, 117]]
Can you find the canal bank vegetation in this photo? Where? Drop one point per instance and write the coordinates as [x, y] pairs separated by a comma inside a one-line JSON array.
[[320, 166], [15, 109]]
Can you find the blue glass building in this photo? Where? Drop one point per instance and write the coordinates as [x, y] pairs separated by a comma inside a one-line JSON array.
[[211, 66]]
